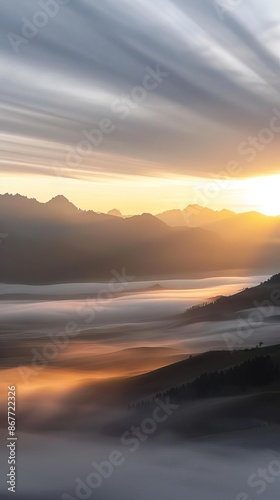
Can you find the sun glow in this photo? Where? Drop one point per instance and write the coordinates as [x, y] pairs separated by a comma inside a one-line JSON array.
[[264, 194]]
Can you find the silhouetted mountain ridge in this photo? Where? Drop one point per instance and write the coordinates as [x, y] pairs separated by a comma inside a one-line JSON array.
[[57, 242]]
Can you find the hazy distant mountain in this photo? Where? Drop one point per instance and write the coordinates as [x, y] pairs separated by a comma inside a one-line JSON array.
[[255, 234], [247, 225], [57, 242], [228, 224], [115, 212], [193, 216]]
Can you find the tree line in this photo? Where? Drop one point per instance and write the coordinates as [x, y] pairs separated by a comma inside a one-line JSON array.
[[256, 372]]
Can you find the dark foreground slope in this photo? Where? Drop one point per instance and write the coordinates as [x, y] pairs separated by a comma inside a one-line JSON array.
[[111, 408], [122, 392], [264, 297]]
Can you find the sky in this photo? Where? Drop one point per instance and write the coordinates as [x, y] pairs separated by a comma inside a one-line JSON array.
[[141, 106]]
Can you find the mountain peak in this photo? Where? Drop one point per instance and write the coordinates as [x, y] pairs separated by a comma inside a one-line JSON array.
[[115, 212], [207, 209], [61, 203], [59, 199]]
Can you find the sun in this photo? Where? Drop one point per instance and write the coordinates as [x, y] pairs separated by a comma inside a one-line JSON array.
[[264, 194]]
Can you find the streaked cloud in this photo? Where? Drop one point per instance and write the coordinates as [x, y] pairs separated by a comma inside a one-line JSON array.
[[222, 86]]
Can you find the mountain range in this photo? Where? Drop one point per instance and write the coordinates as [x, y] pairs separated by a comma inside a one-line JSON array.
[[194, 216], [225, 222], [57, 242]]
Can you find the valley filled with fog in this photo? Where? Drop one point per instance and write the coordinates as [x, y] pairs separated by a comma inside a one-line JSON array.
[[80, 384], [111, 327]]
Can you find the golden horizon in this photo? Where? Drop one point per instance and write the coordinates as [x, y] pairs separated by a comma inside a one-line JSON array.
[[260, 194]]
